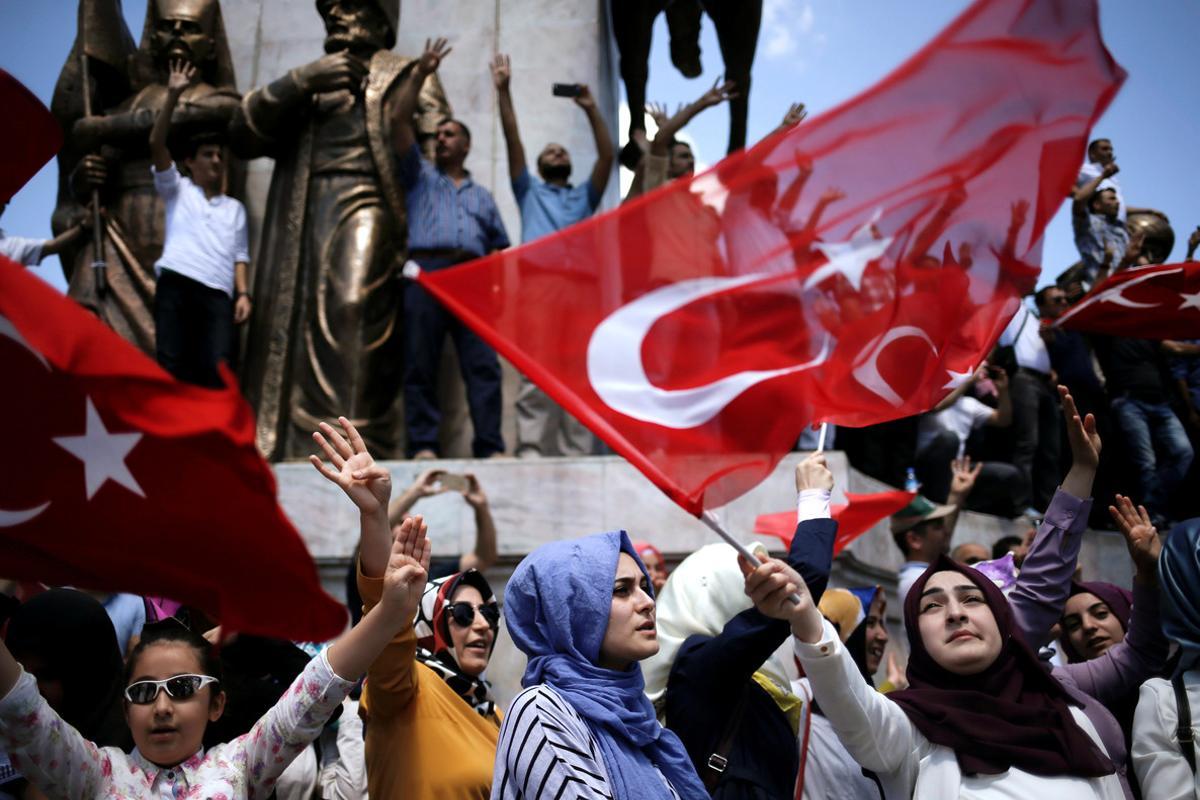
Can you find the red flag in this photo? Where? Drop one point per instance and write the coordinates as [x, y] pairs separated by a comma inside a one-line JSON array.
[[28, 140], [119, 478], [854, 517], [698, 329], [1161, 302]]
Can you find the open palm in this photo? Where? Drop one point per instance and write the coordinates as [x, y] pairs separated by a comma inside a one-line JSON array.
[[350, 466]]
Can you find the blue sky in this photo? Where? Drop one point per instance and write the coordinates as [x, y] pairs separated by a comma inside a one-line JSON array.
[[819, 52]]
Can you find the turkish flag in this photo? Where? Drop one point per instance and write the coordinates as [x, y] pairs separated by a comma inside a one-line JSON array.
[[1161, 302], [854, 517], [29, 139], [120, 478], [853, 269]]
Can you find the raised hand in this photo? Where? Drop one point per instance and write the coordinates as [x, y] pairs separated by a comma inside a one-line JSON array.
[[895, 675], [719, 93], [771, 585], [407, 569], [474, 494], [659, 113], [1110, 169], [813, 473], [1081, 432], [1141, 537], [180, 74], [794, 116], [584, 99], [426, 484], [501, 72], [1019, 211], [431, 59], [351, 467], [963, 475]]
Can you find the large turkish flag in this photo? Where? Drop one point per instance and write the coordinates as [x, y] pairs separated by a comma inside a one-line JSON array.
[[699, 328], [1161, 302], [117, 477]]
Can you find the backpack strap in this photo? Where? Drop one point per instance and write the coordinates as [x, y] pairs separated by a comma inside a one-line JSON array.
[[718, 762], [1187, 742]]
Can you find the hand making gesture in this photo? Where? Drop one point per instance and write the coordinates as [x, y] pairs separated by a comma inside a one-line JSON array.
[[407, 570], [1141, 537], [351, 467], [179, 76], [431, 59], [501, 72]]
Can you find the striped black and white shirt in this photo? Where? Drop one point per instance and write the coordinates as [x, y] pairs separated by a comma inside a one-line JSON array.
[[547, 751]]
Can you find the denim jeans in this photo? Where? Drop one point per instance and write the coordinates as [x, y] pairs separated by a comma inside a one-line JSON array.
[[1158, 445]]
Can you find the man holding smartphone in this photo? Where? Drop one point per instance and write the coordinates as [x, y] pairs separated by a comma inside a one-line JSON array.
[[549, 205]]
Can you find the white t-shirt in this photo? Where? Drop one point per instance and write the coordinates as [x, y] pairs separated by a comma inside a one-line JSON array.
[[964, 416], [21, 250], [205, 237], [1029, 348]]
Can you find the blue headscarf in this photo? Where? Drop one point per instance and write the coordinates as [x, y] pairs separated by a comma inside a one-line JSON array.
[[556, 607], [1179, 576]]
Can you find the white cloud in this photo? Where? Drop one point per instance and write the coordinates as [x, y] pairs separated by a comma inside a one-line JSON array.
[[784, 24]]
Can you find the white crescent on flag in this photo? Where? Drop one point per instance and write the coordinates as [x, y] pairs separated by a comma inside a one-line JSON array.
[[618, 376]]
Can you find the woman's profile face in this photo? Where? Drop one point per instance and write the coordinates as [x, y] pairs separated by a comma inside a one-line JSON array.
[[168, 731], [472, 643], [1090, 626], [957, 625], [631, 635]]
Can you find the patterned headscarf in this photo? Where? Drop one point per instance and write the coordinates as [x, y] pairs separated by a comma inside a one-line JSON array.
[[435, 648]]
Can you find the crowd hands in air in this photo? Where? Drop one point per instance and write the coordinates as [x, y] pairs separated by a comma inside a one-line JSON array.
[[723, 678]]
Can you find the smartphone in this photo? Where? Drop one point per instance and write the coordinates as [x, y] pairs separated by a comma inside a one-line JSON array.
[[452, 482], [566, 89]]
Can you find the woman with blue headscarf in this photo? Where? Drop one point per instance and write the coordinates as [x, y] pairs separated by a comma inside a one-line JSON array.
[[582, 611], [1159, 759]]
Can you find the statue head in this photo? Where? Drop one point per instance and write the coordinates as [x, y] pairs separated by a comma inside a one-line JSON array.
[[1158, 236], [362, 26], [184, 30]]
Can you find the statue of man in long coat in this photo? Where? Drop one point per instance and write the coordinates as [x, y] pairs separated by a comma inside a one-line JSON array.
[[325, 336]]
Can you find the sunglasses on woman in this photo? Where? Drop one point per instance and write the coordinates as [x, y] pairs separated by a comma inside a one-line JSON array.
[[463, 613], [180, 687]]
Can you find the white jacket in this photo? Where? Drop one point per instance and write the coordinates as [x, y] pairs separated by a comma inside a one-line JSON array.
[[881, 737], [1158, 762]]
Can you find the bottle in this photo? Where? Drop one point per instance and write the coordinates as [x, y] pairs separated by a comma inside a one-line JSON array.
[[910, 481]]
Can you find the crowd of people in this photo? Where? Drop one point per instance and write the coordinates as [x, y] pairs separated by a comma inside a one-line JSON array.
[[720, 678]]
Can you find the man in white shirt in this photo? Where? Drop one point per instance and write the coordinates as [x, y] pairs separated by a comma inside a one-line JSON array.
[[201, 288], [1035, 411]]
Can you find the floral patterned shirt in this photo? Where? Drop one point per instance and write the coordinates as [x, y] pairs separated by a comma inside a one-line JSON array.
[[59, 761]]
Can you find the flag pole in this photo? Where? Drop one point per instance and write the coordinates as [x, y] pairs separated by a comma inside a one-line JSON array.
[[710, 519], [821, 437], [100, 270]]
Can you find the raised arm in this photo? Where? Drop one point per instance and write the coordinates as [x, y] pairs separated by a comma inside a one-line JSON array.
[[501, 77], [719, 93], [180, 75], [367, 484], [1084, 191], [1143, 652], [485, 553], [604, 146], [1042, 588], [403, 136], [426, 485]]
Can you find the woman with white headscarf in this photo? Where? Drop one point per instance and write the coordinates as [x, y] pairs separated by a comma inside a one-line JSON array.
[[715, 679]]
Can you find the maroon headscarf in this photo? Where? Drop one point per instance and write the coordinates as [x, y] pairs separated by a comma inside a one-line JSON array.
[[1118, 600], [1013, 714]]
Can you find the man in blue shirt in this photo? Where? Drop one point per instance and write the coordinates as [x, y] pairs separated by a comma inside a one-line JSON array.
[[451, 219], [549, 205]]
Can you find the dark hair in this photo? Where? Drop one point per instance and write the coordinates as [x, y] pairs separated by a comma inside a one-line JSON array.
[[191, 146], [1040, 296], [172, 631], [901, 539], [1094, 143], [1096, 196], [465, 130], [1004, 545]]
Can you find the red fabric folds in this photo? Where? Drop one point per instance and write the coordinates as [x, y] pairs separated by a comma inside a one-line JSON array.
[[855, 517], [698, 329], [1160, 302], [120, 478]]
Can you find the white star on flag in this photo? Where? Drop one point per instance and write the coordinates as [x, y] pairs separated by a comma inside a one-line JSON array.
[[103, 454], [1189, 301], [850, 258], [957, 379]]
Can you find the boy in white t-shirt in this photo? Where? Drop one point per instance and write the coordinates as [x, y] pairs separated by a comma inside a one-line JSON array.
[[201, 289], [942, 436]]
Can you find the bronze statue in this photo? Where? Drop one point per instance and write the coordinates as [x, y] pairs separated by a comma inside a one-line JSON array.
[[325, 337], [108, 151]]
